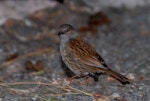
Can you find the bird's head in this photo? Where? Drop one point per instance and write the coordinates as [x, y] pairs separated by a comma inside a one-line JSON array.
[[66, 31]]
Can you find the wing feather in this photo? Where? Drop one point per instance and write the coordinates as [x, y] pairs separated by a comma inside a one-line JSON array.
[[85, 53]]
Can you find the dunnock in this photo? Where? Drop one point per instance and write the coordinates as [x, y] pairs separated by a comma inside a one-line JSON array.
[[81, 58]]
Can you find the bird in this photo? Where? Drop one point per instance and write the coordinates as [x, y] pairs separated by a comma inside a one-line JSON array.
[[81, 57]]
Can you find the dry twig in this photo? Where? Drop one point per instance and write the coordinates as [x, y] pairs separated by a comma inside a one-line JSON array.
[[37, 52], [47, 84]]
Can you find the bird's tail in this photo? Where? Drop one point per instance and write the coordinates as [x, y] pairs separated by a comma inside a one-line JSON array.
[[122, 79]]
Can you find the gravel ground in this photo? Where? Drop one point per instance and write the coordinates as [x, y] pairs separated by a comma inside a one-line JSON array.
[[124, 44]]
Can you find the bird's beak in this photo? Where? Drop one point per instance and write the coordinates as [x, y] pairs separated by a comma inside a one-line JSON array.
[[58, 33]]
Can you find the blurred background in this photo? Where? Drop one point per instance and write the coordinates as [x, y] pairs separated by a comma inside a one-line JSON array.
[[118, 29], [20, 8]]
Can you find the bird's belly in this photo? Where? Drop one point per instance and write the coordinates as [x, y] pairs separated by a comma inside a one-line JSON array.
[[77, 67]]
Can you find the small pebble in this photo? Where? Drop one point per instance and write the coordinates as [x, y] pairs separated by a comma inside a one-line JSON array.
[[131, 76], [115, 95]]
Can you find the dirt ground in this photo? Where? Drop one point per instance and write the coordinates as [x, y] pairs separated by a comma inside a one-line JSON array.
[[31, 68]]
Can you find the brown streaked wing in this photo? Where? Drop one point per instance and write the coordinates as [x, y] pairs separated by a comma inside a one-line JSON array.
[[87, 54]]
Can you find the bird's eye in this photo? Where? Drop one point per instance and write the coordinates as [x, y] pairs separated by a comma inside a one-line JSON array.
[[60, 33]]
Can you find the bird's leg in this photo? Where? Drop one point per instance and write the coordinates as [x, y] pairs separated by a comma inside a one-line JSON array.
[[73, 77], [77, 77], [95, 76]]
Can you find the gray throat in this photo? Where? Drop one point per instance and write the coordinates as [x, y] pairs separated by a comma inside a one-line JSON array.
[[64, 39]]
